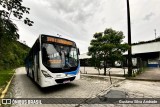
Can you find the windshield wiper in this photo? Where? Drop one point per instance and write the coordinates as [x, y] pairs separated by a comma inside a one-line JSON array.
[[69, 64]]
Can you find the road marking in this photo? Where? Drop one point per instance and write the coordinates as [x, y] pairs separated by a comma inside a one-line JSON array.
[[6, 88]]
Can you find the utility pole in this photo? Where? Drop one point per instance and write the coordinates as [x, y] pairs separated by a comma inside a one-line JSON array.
[[129, 41], [155, 34]]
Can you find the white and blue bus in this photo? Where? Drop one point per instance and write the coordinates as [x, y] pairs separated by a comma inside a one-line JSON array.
[[53, 60]]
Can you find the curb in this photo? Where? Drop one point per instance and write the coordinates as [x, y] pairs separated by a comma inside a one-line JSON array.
[[114, 75], [122, 78], [101, 76], [149, 80], [6, 88]]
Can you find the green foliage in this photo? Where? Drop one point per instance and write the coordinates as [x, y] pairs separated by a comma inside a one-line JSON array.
[[107, 47], [15, 8], [5, 76], [12, 54], [8, 30]]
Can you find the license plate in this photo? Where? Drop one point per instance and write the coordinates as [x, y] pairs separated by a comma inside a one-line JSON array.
[[67, 81]]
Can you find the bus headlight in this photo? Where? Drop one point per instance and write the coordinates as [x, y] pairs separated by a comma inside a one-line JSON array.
[[46, 74]]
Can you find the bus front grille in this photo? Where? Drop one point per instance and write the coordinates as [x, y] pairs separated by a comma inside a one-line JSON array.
[[64, 79]]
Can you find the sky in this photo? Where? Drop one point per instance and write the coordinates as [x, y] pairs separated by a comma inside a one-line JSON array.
[[78, 20]]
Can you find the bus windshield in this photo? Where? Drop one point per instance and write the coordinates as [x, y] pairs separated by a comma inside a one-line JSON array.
[[59, 56]]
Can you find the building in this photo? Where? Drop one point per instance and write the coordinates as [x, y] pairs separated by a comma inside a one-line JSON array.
[[148, 52], [84, 59]]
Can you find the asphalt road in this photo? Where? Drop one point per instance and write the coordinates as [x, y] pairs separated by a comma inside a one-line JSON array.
[[23, 87]]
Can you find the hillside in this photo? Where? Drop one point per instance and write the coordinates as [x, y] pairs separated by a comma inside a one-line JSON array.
[[12, 54]]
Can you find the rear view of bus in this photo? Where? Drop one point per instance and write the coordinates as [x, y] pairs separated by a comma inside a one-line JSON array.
[[53, 60]]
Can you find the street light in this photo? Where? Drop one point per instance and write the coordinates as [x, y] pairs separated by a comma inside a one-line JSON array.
[[129, 41]]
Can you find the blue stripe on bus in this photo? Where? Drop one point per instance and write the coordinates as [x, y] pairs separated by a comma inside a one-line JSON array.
[[73, 72]]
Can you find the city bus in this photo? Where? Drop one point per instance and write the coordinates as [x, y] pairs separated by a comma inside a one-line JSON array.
[[53, 60]]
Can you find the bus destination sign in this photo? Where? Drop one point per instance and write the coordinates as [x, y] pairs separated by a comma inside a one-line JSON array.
[[58, 40]]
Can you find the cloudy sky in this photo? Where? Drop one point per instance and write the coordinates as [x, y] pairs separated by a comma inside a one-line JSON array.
[[78, 20]]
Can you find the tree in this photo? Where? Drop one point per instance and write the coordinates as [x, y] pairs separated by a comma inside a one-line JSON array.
[[16, 9], [107, 47], [96, 62], [11, 54], [8, 29]]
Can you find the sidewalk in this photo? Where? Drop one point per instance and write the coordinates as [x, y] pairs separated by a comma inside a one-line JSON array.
[[113, 71], [131, 89], [103, 76], [151, 74]]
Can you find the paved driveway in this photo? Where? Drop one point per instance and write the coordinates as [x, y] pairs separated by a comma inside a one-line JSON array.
[[24, 87], [150, 74]]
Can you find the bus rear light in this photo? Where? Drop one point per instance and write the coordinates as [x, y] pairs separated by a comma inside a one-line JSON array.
[[46, 74]]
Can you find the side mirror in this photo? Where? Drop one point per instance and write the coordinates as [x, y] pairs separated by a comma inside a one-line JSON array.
[[78, 51]]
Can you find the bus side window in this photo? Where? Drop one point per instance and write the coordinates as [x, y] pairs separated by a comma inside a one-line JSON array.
[[44, 55], [38, 46]]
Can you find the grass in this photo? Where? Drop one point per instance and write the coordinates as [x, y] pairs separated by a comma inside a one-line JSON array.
[[5, 76]]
